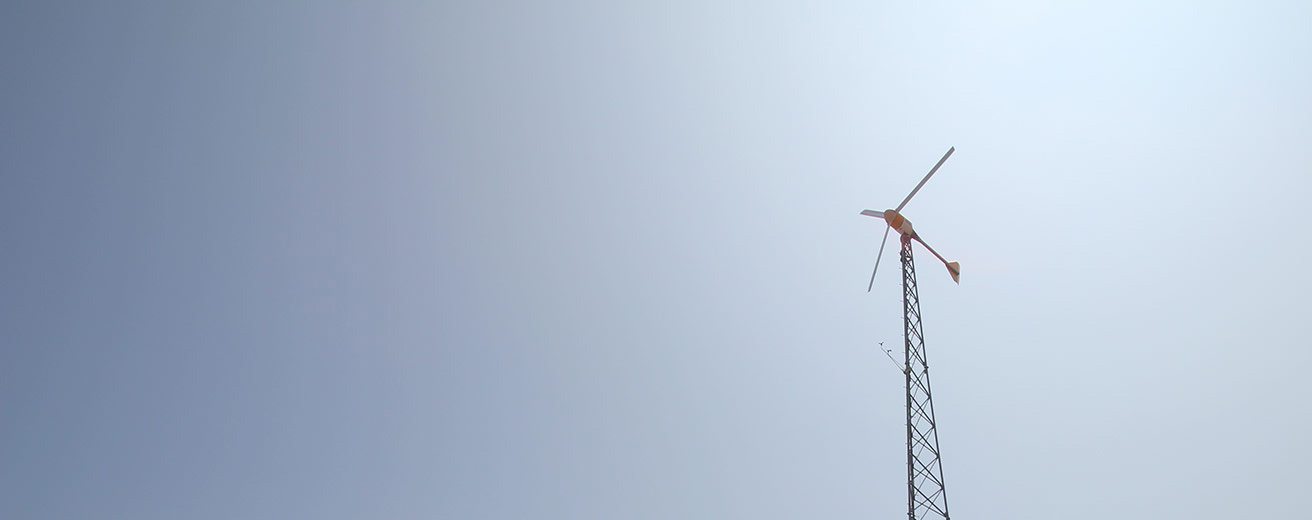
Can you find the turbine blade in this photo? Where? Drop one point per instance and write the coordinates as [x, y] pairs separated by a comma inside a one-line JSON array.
[[872, 213], [926, 179], [881, 255]]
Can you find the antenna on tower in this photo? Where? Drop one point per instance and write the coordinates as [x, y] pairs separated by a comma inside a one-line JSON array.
[[889, 352]]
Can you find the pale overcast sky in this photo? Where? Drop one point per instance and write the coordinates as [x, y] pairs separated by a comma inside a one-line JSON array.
[[602, 260]]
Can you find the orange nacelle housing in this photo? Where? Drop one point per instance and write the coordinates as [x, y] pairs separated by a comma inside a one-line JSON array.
[[898, 222]]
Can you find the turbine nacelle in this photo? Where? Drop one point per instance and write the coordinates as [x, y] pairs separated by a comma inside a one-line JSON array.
[[894, 220]]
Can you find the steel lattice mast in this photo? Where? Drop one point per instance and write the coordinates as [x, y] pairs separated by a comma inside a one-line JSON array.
[[926, 496]]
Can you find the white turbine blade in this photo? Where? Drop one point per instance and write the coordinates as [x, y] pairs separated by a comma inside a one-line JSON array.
[[926, 179], [872, 213], [881, 255]]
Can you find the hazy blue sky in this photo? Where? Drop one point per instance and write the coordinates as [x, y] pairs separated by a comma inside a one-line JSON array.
[[602, 260]]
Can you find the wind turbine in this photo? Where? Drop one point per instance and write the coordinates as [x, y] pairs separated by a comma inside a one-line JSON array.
[[926, 494], [895, 220]]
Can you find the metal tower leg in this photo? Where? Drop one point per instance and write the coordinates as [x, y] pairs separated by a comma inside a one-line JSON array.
[[926, 497]]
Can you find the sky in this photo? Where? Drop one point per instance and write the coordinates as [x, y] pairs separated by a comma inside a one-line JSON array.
[[597, 260]]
